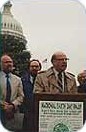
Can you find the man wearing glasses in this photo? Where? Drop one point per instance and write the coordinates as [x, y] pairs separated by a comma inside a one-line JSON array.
[[56, 79], [28, 79]]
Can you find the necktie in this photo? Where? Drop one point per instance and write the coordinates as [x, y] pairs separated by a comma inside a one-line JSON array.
[[8, 88], [60, 80]]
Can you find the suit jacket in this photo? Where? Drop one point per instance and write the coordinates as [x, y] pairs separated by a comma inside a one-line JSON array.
[[46, 82], [27, 85], [82, 88], [28, 92], [16, 89]]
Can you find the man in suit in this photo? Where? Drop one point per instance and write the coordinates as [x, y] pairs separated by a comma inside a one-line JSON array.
[[82, 82], [56, 79], [28, 79], [11, 93]]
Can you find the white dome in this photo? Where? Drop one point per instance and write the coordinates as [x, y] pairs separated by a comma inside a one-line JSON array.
[[9, 24]]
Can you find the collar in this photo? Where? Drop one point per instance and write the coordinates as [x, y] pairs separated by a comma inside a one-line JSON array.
[[55, 72], [52, 71], [4, 74], [68, 75]]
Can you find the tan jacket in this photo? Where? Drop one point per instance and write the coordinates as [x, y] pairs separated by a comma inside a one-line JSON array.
[[46, 82], [16, 89]]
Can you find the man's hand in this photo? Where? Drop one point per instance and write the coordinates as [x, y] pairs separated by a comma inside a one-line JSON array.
[[7, 107], [9, 110]]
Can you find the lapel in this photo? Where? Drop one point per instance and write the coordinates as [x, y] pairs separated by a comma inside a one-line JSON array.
[[67, 82], [2, 85], [13, 83], [27, 79], [27, 82]]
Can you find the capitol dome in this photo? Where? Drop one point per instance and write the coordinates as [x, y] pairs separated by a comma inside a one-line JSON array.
[[12, 40], [9, 24]]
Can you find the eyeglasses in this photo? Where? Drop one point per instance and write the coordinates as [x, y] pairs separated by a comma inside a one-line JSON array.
[[34, 66], [62, 59]]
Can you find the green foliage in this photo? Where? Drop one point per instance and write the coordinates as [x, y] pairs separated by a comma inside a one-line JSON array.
[[16, 48]]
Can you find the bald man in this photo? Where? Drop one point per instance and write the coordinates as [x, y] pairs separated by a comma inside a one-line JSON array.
[[56, 79], [12, 99]]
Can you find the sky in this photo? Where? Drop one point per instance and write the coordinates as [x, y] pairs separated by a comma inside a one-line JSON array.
[[52, 25]]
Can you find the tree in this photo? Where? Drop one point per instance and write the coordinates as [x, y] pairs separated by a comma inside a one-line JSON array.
[[16, 48]]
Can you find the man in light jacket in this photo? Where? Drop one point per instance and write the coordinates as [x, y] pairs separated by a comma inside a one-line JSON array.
[[49, 82], [9, 108]]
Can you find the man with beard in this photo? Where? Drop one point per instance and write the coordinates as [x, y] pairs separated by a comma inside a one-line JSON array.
[[56, 79], [28, 82], [11, 94]]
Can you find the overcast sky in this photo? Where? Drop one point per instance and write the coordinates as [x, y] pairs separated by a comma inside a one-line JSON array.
[[52, 25]]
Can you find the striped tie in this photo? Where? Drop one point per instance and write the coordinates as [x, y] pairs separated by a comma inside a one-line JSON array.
[[60, 80]]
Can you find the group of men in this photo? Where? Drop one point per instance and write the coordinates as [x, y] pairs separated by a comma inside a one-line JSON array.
[[51, 81]]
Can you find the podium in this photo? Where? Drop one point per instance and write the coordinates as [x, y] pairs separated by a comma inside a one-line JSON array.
[[59, 112]]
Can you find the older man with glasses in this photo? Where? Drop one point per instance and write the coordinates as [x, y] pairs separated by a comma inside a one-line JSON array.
[[56, 79]]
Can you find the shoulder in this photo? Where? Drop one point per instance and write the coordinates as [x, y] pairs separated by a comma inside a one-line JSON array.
[[71, 74], [25, 75], [41, 72], [47, 72], [2, 73], [15, 77]]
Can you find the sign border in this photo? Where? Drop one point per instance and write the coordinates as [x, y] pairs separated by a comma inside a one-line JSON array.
[[79, 97]]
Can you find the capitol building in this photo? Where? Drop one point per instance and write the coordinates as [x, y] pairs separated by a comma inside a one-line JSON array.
[[12, 38]]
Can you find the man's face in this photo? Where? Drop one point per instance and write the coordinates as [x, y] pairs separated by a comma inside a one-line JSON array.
[[34, 67], [60, 62], [82, 78], [7, 64]]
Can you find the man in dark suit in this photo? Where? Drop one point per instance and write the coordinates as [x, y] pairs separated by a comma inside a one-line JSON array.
[[28, 82], [82, 82]]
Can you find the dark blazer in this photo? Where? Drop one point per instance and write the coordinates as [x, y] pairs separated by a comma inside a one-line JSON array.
[[28, 104], [27, 85], [28, 92], [82, 88]]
